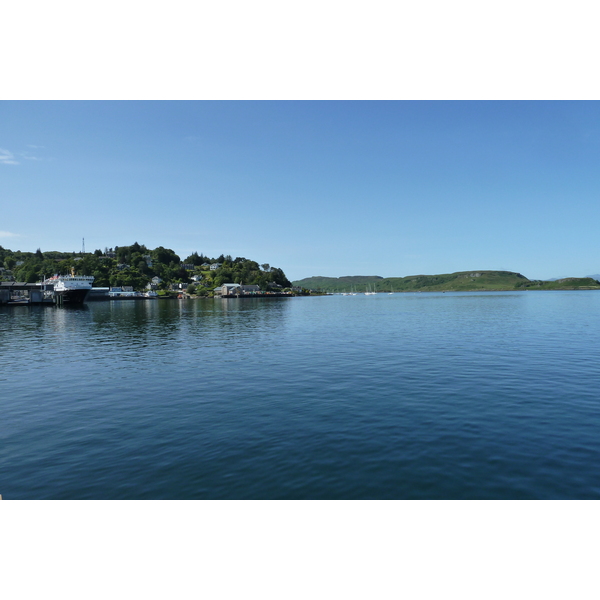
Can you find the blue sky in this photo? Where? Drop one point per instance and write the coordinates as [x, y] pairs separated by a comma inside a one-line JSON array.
[[330, 188]]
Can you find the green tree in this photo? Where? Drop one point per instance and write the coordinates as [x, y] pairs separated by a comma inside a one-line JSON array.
[[165, 255], [101, 279], [195, 259], [31, 275]]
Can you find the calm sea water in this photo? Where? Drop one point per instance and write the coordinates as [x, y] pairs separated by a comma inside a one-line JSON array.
[[425, 395]]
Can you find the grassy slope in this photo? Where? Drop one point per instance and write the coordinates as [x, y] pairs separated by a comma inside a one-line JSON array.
[[462, 281], [569, 283]]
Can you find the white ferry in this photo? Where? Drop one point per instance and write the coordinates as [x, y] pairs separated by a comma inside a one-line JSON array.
[[73, 288]]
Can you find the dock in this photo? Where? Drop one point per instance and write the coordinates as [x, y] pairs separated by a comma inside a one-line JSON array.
[[17, 293], [255, 295]]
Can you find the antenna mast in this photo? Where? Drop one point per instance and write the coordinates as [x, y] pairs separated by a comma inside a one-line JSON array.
[[82, 245]]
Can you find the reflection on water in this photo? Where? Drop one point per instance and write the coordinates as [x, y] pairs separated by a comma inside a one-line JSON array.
[[481, 395]]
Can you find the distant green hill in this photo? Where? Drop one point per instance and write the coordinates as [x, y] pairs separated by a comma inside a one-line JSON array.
[[568, 283], [452, 282], [339, 284]]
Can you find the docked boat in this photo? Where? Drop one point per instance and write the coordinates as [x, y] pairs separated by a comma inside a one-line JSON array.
[[71, 288]]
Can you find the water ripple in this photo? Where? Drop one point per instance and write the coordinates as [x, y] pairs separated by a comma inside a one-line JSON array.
[[488, 395]]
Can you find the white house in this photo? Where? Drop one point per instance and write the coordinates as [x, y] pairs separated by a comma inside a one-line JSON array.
[[153, 283]]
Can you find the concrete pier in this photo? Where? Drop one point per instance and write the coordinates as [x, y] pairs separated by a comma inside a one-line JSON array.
[[17, 293]]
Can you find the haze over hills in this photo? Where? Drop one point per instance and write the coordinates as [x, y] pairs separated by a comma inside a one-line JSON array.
[[460, 281]]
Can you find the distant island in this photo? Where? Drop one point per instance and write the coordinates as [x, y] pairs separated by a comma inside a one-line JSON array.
[[463, 281], [138, 268]]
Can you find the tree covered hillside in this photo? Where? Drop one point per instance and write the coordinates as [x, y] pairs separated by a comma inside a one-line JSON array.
[[136, 266]]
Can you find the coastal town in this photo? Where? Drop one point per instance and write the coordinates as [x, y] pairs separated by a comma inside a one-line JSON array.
[[134, 272], [138, 273]]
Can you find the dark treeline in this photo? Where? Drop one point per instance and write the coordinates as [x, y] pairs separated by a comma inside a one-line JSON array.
[[137, 266]]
